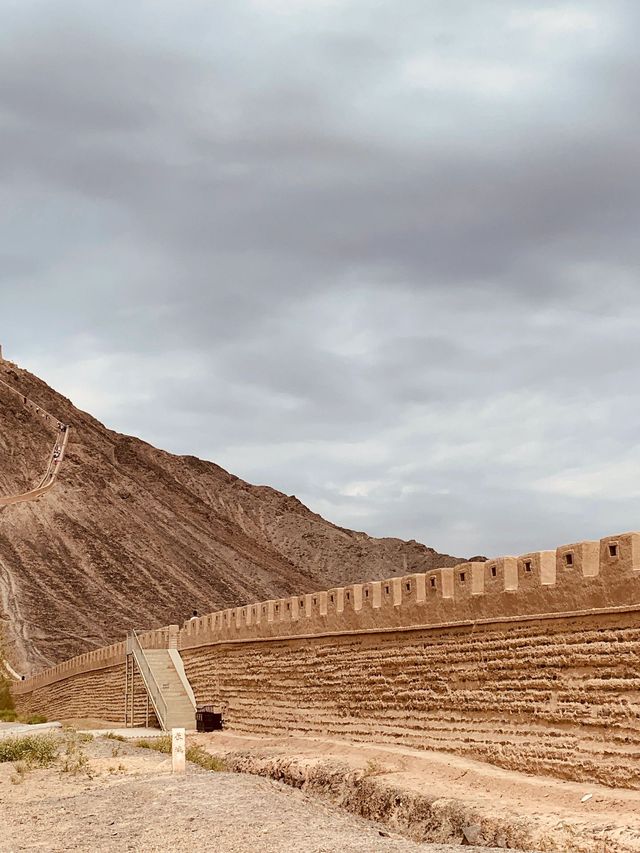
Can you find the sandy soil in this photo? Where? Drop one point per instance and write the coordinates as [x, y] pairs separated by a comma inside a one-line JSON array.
[[555, 814], [131, 802]]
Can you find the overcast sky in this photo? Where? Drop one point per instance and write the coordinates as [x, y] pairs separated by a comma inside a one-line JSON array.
[[380, 255]]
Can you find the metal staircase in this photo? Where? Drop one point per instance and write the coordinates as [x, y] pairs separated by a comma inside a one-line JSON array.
[[167, 687]]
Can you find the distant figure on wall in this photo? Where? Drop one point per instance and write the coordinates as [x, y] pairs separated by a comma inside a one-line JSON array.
[[194, 615]]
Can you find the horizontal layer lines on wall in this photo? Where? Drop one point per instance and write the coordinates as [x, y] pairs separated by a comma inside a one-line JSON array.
[[583, 576]]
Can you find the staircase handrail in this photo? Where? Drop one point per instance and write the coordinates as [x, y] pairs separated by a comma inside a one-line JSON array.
[[158, 701]]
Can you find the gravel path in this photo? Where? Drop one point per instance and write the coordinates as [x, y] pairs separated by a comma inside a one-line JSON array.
[[133, 803]]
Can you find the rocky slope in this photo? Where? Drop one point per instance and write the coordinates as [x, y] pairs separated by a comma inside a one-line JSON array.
[[131, 536]]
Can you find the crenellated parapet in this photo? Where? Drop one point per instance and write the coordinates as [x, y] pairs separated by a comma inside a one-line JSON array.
[[582, 577]]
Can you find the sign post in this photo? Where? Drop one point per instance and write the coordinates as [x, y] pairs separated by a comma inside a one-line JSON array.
[[178, 750]]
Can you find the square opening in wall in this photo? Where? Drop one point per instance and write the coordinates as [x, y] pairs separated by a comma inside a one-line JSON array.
[[348, 596], [331, 599], [494, 571], [288, 606], [366, 593], [613, 549], [432, 581], [301, 602], [408, 586], [386, 590], [568, 559], [463, 577], [527, 565], [315, 600]]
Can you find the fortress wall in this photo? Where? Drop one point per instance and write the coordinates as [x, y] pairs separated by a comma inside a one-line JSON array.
[[556, 696], [530, 662], [29, 404], [94, 694], [579, 577]]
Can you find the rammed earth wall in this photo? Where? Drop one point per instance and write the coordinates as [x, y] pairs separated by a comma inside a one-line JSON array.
[[559, 696], [532, 663]]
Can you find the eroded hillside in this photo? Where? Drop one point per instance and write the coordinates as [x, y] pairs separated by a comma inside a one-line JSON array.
[[131, 536]]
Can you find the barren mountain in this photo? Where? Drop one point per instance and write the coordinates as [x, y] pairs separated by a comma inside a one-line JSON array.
[[131, 536]]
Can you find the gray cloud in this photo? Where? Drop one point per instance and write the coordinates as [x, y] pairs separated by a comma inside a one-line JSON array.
[[384, 257]]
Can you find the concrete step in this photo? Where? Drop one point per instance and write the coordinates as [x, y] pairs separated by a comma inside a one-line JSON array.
[[180, 710]]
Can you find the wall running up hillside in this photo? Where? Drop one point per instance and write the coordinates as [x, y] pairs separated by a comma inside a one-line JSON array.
[[531, 662]]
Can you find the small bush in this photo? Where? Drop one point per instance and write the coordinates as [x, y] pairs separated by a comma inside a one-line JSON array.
[[158, 744], [200, 756], [8, 715], [6, 701], [74, 759], [114, 736], [373, 768], [39, 750], [33, 719], [195, 754], [21, 768]]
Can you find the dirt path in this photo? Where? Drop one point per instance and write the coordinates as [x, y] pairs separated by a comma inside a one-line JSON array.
[[551, 814], [56, 456], [133, 803]]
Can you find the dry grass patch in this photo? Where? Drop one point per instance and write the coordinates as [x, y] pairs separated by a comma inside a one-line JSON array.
[[37, 750], [194, 754]]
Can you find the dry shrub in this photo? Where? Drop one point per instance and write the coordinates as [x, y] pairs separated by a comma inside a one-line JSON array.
[[74, 759], [8, 715], [20, 768], [194, 754], [37, 750], [158, 744], [198, 755]]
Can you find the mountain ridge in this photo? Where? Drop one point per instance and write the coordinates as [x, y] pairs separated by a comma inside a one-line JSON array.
[[133, 536]]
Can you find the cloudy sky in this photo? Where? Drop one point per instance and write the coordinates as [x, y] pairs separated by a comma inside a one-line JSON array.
[[380, 255]]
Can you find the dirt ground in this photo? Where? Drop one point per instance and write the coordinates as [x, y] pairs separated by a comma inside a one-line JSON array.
[[552, 814], [131, 802]]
